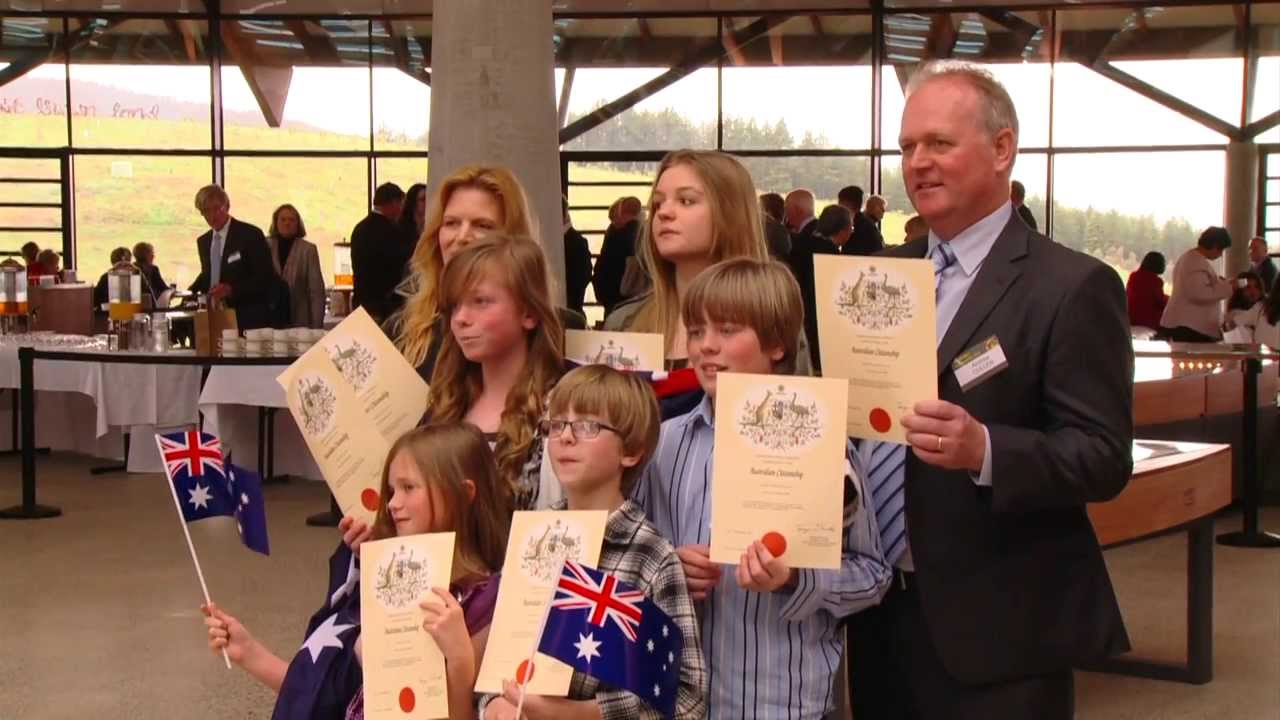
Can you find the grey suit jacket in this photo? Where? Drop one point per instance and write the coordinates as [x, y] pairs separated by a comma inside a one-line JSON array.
[[1011, 578], [301, 272]]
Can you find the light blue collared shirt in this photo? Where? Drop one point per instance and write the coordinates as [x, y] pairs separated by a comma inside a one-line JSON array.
[[769, 655], [971, 247]]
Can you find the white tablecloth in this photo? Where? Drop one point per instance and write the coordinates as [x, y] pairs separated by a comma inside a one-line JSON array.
[[230, 402], [83, 406]]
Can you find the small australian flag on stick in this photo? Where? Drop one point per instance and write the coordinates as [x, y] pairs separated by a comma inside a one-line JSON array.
[[610, 631]]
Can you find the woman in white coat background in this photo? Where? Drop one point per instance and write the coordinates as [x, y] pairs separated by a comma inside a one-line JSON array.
[[297, 262]]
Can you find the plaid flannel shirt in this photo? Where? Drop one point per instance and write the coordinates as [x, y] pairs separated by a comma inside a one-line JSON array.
[[635, 553]]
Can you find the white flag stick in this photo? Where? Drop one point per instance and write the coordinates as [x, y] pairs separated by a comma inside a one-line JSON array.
[[537, 639], [187, 534]]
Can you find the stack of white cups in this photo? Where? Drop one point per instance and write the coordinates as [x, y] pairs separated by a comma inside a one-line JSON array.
[[302, 339], [281, 346], [257, 342], [231, 344]]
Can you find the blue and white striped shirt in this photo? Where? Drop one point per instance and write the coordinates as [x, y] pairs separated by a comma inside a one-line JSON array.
[[768, 655]]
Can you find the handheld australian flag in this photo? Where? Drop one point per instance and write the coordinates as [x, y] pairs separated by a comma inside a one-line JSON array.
[[206, 486], [607, 629]]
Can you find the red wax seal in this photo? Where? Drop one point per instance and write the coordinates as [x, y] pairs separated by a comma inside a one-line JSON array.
[[369, 499], [407, 700], [524, 673], [880, 420], [775, 543]]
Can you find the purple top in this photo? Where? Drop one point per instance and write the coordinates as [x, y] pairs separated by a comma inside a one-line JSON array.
[[477, 599]]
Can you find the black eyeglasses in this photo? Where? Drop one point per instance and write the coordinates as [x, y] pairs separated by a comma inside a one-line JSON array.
[[581, 429]]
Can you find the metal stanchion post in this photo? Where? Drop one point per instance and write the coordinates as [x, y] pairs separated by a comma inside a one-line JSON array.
[[29, 509]]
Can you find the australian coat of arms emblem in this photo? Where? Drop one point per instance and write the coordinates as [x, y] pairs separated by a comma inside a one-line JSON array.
[[356, 363], [545, 549], [875, 301], [781, 419], [401, 579], [615, 356], [317, 400]]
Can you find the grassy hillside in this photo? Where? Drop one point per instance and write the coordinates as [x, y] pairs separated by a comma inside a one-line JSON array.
[[124, 199]]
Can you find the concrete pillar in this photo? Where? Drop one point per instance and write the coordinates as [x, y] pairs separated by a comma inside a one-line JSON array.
[[1240, 215], [493, 101]]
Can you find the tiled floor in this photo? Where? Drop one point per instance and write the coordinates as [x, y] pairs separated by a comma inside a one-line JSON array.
[[98, 608]]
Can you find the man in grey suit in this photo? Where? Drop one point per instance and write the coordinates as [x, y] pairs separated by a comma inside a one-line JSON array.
[[1001, 587], [1260, 259]]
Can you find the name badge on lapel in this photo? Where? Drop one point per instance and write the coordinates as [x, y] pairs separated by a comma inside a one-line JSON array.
[[233, 257], [978, 363]]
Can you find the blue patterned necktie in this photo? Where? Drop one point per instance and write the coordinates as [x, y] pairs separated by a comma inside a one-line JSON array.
[[887, 462], [943, 257], [215, 259]]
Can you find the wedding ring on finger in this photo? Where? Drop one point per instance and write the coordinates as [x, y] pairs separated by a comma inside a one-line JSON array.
[[939, 443]]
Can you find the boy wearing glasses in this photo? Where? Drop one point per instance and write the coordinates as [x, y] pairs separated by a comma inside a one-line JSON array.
[[601, 429]]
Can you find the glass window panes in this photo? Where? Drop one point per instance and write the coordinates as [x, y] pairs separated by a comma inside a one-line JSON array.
[[331, 195], [401, 84], [820, 62], [1106, 61], [33, 106], [403, 171], [30, 180], [681, 115], [1265, 20], [125, 199], [139, 83], [296, 85], [1119, 206], [824, 176]]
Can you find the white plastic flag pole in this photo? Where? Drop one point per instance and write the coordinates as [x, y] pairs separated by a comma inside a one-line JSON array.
[[537, 639], [190, 546]]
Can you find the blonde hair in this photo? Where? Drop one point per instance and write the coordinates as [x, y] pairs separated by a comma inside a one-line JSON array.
[[763, 296], [998, 112], [620, 399], [211, 192], [445, 456], [414, 325], [736, 231], [517, 263]]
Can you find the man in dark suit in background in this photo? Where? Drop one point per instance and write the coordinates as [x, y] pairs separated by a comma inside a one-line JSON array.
[[830, 233], [776, 236], [1000, 586], [1018, 196], [866, 238], [378, 254], [1262, 263], [798, 213], [235, 262], [874, 210], [577, 261], [618, 246]]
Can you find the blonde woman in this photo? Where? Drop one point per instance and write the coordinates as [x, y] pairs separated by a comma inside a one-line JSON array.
[[297, 262], [472, 202], [702, 210]]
